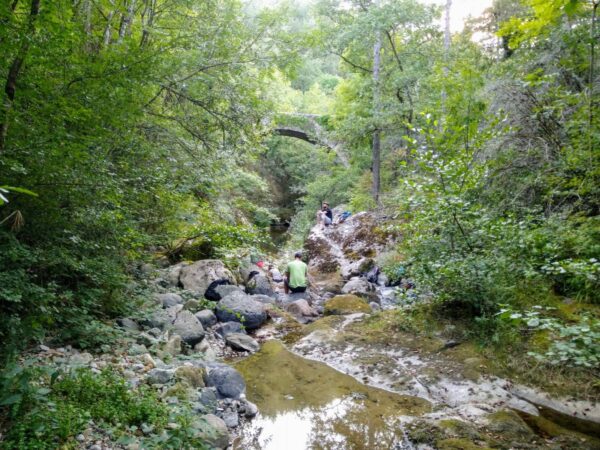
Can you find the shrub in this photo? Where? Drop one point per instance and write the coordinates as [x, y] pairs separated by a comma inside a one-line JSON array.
[[45, 409]]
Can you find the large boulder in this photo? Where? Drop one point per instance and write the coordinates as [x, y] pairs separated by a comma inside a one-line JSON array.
[[163, 318], [259, 285], [212, 430], [206, 317], [345, 304], [242, 342], [189, 328], [198, 276], [228, 381], [225, 328], [160, 376], [362, 288], [223, 290], [212, 292], [168, 300], [174, 272], [128, 324], [241, 308], [246, 270]]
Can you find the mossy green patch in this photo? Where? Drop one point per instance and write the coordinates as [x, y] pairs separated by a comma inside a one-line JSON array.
[[458, 444], [194, 376], [510, 425], [549, 429], [181, 390], [346, 304]]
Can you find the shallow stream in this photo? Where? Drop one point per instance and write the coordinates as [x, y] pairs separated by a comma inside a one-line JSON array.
[[307, 404]]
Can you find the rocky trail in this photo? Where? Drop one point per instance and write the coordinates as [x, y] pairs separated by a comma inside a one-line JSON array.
[[265, 370]]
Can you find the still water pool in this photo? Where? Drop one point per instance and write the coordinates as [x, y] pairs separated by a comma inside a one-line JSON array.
[[305, 404]]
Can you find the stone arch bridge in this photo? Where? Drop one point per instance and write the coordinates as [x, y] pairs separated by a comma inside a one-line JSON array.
[[307, 128]]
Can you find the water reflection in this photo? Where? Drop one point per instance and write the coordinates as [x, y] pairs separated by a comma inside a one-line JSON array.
[[307, 405]]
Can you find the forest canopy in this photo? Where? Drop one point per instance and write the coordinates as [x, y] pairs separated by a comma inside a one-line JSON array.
[[136, 129]]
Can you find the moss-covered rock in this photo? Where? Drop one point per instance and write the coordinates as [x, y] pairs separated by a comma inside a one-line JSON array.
[[194, 376], [510, 426], [346, 304], [180, 390]]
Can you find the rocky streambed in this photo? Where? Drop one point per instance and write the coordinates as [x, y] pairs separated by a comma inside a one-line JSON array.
[[262, 370]]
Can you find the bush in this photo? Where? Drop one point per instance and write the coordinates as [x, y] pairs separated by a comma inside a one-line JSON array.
[[45, 409], [57, 289]]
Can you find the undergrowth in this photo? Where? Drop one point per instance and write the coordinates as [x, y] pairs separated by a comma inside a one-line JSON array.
[[45, 408]]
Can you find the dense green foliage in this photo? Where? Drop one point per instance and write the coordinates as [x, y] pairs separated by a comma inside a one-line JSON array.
[[139, 129], [48, 407], [490, 152], [131, 123]]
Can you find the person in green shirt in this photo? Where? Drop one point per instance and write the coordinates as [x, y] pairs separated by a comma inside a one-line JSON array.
[[296, 274]]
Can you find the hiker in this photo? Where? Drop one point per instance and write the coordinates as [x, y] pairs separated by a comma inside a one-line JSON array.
[[296, 274], [275, 274], [325, 215]]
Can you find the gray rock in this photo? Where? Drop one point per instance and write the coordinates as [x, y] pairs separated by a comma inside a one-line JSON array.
[[383, 280], [225, 289], [173, 272], [198, 276], [173, 345], [208, 399], [241, 308], [146, 339], [375, 306], [128, 324], [264, 299], [137, 349], [163, 318], [250, 409], [168, 300], [242, 342], [361, 287], [246, 270], [293, 296], [213, 431], [259, 285], [206, 317], [189, 328], [192, 305], [231, 419], [80, 359], [225, 328], [227, 380], [300, 309], [160, 376], [155, 332]]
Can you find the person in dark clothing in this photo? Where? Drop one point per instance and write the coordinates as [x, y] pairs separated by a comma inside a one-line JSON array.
[[328, 211]]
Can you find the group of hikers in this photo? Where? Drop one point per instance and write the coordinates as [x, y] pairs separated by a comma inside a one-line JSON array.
[[296, 272]]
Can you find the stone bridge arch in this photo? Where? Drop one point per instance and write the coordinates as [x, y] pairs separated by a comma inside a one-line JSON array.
[[306, 128]]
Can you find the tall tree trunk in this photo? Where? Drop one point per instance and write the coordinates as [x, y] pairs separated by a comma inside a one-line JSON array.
[[376, 149], [10, 88], [126, 20], [591, 76], [86, 9], [447, 37], [147, 21], [107, 30]]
